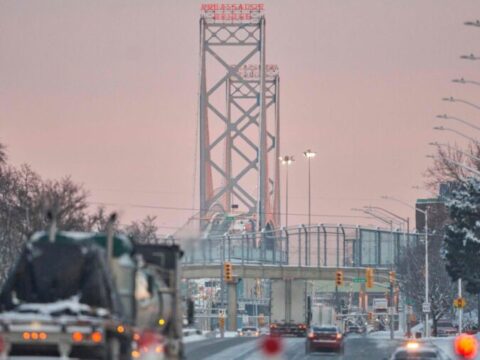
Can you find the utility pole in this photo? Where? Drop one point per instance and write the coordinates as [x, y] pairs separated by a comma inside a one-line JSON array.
[[390, 310], [460, 309]]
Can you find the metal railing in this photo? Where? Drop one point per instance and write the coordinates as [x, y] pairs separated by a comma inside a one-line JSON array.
[[318, 245]]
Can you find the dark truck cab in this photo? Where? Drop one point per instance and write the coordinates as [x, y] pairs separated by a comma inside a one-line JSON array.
[[65, 297]]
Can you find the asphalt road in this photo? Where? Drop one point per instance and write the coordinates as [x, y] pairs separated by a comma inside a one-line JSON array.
[[357, 347]]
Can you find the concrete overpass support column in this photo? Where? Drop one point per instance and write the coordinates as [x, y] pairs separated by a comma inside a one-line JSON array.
[[232, 306], [288, 300]]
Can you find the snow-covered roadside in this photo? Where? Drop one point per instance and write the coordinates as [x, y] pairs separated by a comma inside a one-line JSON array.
[[193, 338], [445, 344], [385, 334]]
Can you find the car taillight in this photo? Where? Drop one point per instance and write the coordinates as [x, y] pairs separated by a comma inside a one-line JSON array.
[[311, 335], [339, 336], [273, 326], [2, 344]]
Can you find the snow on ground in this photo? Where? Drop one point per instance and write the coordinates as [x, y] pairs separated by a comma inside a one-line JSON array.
[[193, 338], [385, 334], [228, 334], [445, 345]]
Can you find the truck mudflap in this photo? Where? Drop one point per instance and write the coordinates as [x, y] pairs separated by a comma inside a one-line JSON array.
[[299, 330]]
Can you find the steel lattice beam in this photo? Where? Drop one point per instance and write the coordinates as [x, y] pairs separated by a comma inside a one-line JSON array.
[[229, 93]]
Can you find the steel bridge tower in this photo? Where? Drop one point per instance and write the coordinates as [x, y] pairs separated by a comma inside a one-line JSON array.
[[238, 115]]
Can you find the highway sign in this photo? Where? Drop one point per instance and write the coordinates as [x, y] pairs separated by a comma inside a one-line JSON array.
[[358, 280], [459, 303], [426, 307]]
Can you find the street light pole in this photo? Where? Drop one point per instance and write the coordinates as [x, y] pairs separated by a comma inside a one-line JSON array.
[[286, 160], [441, 128], [463, 166], [464, 81], [309, 154], [465, 122], [375, 216], [455, 149], [425, 213]]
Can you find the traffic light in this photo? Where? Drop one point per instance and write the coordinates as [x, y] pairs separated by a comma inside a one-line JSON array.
[[261, 319], [369, 277], [228, 272], [339, 278], [391, 276], [370, 316]]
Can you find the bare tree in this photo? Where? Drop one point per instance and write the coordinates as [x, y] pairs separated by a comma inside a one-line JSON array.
[[3, 154], [412, 275], [144, 231], [445, 166]]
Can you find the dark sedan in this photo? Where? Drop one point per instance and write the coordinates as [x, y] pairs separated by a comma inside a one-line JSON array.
[[324, 338]]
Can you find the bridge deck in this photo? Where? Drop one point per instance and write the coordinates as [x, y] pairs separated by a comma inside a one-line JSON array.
[[258, 271]]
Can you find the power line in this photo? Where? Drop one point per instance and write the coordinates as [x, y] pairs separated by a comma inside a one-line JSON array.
[[177, 208]]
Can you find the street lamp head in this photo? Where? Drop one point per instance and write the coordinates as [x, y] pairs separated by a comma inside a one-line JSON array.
[[309, 154], [451, 99], [442, 116], [287, 159], [430, 156], [459, 81], [434, 143], [469, 57], [438, 128], [473, 23]]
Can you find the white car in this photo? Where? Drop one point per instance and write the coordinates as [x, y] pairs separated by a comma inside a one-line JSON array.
[[249, 331]]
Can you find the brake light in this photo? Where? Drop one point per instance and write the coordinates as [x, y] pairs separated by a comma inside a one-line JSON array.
[[273, 326], [311, 335], [466, 346], [2, 344], [339, 336]]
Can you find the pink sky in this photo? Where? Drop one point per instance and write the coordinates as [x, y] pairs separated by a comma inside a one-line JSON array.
[[106, 91]]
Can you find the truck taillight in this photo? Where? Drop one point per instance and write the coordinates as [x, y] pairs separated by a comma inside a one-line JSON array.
[[77, 336], [96, 337], [27, 336]]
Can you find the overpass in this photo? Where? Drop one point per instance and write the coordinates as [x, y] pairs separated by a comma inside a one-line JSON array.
[[277, 272]]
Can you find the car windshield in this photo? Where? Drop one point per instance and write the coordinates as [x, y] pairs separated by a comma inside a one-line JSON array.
[[249, 329]]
